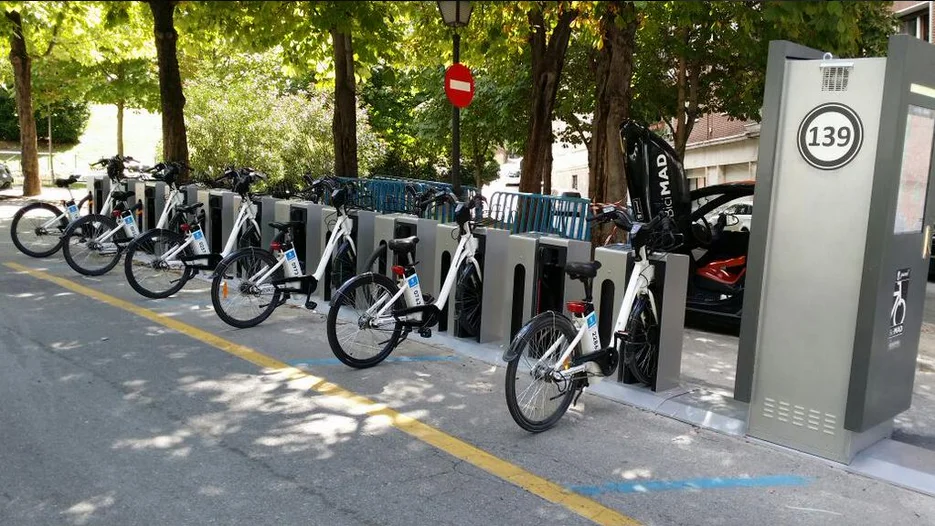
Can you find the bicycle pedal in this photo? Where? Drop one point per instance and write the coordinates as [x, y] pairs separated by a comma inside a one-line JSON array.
[[311, 304], [425, 332]]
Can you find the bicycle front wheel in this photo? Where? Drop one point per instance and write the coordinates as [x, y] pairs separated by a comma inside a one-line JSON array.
[[343, 265], [84, 248], [148, 270], [641, 347], [535, 398], [352, 335], [35, 230], [468, 299], [242, 295]]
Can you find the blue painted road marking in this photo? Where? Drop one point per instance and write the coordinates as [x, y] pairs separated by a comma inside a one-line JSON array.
[[334, 361], [647, 486]]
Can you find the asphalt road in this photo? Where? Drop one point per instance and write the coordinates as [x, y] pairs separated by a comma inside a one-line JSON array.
[[110, 414]]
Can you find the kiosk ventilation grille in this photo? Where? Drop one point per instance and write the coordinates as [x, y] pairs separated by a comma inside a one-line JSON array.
[[835, 78], [800, 416]]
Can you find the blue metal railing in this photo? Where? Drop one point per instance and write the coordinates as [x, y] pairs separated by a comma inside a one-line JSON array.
[[549, 214], [389, 195]]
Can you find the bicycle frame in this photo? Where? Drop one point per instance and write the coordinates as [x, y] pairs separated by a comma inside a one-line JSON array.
[[642, 275], [244, 214], [105, 210], [467, 248], [342, 230], [174, 199]]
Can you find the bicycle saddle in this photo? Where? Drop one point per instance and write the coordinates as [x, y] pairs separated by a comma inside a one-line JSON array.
[[582, 269], [121, 196], [190, 208], [404, 244], [286, 226], [65, 183]]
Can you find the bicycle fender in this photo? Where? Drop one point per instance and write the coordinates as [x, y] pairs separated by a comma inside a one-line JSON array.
[[512, 352]]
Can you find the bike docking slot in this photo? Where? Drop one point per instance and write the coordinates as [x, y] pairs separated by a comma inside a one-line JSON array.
[[492, 246], [384, 229], [610, 285], [324, 216], [854, 137], [266, 214], [535, 279], [153, 195]]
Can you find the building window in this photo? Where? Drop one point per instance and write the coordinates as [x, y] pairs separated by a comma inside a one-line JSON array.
[[574, 181], [917, 25]]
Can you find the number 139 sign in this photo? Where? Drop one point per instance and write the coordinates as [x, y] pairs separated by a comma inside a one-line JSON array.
[[830, 136]]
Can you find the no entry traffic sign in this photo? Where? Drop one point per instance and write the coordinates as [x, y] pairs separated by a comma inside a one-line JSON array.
[[459, 85]]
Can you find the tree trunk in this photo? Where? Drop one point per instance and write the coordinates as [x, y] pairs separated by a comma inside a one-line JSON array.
[[691, 110], [22, 78], [548, 58], [120, 128], [344, 122], [686, 110], [607, 182], [51, 159], [547, 166], [174, 140], [477, 156]]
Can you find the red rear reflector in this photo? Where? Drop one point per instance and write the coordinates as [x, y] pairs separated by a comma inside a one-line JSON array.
[[274, 246], [576, 307], [399, 270], [184, 227]]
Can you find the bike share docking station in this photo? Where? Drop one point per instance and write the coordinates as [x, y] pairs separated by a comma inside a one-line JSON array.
[[395, 226], [833, 307], [319, 224], [492, 247], [152, 198], [535, 277]]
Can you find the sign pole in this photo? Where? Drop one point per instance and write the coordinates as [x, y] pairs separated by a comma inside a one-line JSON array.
[[456, 129]]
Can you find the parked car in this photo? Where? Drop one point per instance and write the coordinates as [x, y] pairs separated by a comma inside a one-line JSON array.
[[737, 216], [6, 177], [717, 246]]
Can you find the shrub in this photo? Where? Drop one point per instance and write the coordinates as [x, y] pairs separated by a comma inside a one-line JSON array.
[[284, 135]]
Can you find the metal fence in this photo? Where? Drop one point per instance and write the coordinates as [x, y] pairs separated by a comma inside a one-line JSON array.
[[520, 212], [390, 195]]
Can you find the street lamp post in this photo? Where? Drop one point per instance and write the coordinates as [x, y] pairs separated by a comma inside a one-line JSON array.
[[456, 14]]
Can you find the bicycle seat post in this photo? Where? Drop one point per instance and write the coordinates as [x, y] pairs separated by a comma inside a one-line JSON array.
[[588, 289]]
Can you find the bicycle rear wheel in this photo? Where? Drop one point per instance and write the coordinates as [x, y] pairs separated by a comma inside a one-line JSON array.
[[237, 299], [641, 347], [146, 267], [30, 233], [353, 339], [536, 400], [84, 250]]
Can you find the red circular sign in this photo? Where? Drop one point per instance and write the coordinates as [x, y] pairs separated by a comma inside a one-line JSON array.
[[459, 85]]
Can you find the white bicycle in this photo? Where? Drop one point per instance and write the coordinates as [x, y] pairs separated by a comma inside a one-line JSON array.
[[252, 282], [551, 357], [161, 261], [387, 311], [92, 245], [38, 228]]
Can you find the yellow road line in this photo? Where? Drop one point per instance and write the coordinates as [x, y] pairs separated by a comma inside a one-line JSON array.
[[546, 489]]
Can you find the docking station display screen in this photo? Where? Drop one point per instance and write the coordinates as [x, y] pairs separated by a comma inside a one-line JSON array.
[[914, 171]]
